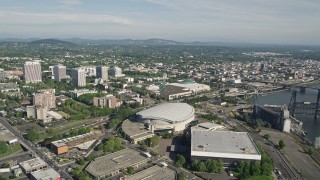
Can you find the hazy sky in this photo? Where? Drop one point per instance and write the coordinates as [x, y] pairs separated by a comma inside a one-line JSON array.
[[257, 21]]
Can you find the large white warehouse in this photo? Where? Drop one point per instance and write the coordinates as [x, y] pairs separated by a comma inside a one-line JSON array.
[[167, 116]]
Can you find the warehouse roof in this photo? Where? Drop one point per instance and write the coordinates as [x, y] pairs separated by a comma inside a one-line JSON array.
[[223, 144], [168, 112]]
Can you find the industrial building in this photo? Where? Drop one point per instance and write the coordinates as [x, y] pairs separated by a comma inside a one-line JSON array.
[[154, 173], [227, 146], [48, 174], [111, 164], [32, 72], [62, 146], [277, 116], [33, 165]]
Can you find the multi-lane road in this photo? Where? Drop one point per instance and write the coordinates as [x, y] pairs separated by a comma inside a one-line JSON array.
[[32, 149]]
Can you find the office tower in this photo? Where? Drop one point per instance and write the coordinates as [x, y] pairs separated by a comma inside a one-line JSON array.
[[32, 72], [102, 72], [37, 112], [116, 72], [78, 77], [46, 98], [59, 72]]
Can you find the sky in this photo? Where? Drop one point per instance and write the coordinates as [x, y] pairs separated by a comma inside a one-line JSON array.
[[236, 21]]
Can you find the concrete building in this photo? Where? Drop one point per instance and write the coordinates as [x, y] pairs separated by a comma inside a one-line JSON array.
[[78, 92], [116, 72], [60, 72], [37, 112], [135, 131], [111, 164], [48, 174], [78, 77], [185, 88], [32, 72], [154, 173], [45, 97], [33, 165], [228, 146], [62, 146], [108, 101], [102, 72]]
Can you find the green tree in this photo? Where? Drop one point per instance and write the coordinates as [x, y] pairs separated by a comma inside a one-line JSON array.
[[180, 161], [310, 151], [32, 135], [201, 167], [154, 141], [255, 168], [181, 176], [130, 170], [281, 144], [3, 147], [266, 136]]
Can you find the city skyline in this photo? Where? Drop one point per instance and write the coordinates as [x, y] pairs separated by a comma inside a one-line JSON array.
[[248, 21]]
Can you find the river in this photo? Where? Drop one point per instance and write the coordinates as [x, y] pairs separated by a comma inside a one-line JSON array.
[[311, 125]]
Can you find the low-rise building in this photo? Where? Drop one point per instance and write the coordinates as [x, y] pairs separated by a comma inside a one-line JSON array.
[[37, 112], [228, 146], [108, 101], [76, 93], [155, 173], [62, 146], [48, 174], [33, 165], [111, 164]]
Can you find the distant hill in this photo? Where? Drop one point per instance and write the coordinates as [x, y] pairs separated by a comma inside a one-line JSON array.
[[52, 42], [122, 41]]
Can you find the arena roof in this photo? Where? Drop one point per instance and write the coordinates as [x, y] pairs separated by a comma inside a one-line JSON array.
[[168, 112], [223, 144]]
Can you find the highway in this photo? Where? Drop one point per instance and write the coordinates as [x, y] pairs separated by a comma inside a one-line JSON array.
[[37, 153]]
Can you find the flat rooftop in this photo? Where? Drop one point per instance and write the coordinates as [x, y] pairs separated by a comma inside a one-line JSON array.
[[109, 163], [223, 144], [33, 164], [154, 173], [207, 127], [46, 174], [135, 129], [63, 142]]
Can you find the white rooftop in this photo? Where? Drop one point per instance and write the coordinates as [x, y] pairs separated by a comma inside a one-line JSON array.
[[223, 144], [48, 174], [168, 112]]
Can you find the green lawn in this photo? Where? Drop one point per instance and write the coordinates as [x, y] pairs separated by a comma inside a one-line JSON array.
[[260, 178], [11, 149]]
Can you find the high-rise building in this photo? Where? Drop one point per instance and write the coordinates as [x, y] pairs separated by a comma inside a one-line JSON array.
[[102, 72], [32, 72], [59, 72], [45, 97], [78, 77], [116, 72]]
